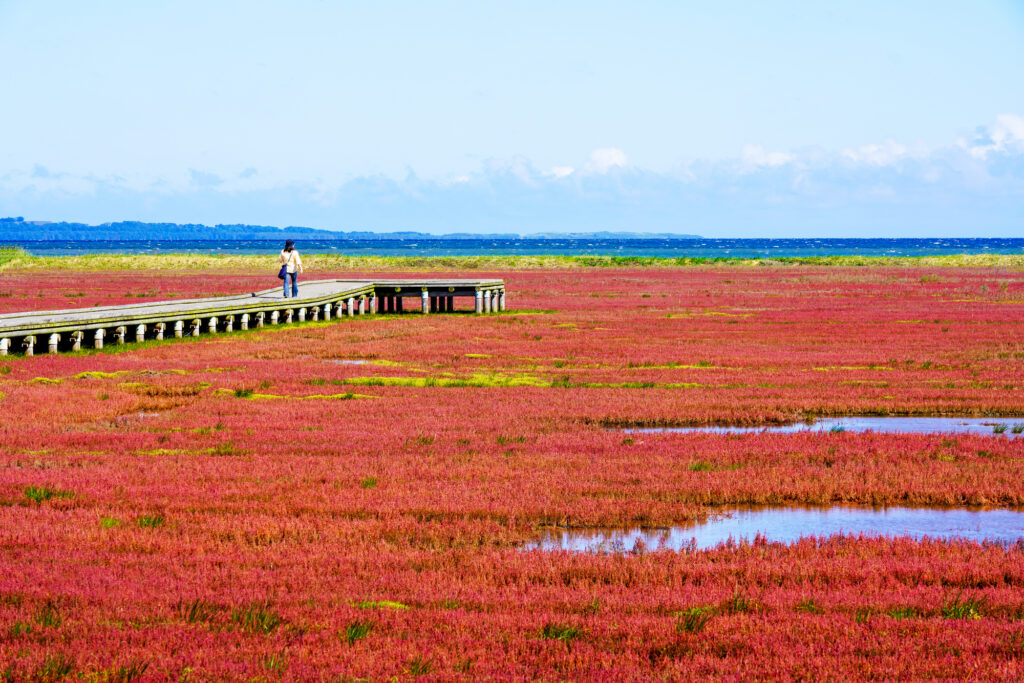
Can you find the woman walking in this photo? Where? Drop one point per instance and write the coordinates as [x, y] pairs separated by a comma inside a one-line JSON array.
[[291, 266]]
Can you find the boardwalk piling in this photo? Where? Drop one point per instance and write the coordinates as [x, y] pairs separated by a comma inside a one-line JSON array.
[[179, 329], [29, 345], [350, 307], [76, 340], [243, 322], [362, 305], [119, 334], [140, 333], [5, 344], [229, 323], [259, 319], [160, 329], [327, 312], [501, 299], [302, 315], [97, 339], [479, 302], [487, 301], [373, 303], [197, 327], [53, 342], [425, 301], [212, 325]]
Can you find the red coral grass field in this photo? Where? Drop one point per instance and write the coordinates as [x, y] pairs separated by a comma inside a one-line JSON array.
[[351, 500]]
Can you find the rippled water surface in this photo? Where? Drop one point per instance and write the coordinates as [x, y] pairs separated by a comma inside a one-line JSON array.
[[789, 524], [1005, 426]]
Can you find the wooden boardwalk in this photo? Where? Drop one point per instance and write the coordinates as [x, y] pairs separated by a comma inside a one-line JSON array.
[[71, 329]]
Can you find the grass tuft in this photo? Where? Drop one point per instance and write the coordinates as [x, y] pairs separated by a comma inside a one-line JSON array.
[[40, 494], [693, 620], [563, 632], [256, 617], [197, 611], [126, 673], [357, 630], [150, 521], [964, 608]]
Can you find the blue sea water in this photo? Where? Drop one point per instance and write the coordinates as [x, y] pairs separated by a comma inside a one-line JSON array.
[[704, 248]]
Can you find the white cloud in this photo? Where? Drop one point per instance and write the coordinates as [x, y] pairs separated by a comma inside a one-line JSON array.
[[1006, 134], [756, 156], [605, 159], [560, 171], [885, 154]]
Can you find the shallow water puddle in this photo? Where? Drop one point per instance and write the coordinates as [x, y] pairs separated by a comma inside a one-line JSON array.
[[788, 524], [1011, 427]]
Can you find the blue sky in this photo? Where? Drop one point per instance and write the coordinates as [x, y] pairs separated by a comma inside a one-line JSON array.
[[724, 119]]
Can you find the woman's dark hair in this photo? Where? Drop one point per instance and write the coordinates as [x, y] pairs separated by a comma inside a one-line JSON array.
[[289, 245]]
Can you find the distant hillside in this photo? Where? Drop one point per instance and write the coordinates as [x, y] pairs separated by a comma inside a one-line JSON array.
[[18, 229]]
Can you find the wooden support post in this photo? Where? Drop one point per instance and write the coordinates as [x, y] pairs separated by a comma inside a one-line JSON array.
[[339, 309], [76, 340], [212, 325], [373, 303], [260, 317], [398, 302], [160, 329], [140, 333], [479, 302], [97, 339], [289, 315], [487, 301], [424, 301], [197, 327], [29, 345], [53, 342], [243, 323], [119, 334], [5, 344], [451, 303], [327, 312], [302, 315], [314, 313], [229, 323], [179, 329], [434, 308], [362, 305], [501, 299], [274, 317], [350, 307]]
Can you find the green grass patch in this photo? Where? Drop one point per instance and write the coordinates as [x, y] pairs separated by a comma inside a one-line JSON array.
[[381, 604], [197, 611], [971, 607], [150, 521], [256, 617], [693, 620], [563, 632], [357, 630], [41, 494]]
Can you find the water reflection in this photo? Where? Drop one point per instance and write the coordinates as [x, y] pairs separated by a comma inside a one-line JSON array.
[[792, 523], [1005, 426]]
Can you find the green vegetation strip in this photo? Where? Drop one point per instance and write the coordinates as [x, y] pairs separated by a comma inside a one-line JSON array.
[[15, 258]]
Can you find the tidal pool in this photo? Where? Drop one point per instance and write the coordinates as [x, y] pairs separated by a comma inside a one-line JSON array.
[[788, 524], [1004, 426]]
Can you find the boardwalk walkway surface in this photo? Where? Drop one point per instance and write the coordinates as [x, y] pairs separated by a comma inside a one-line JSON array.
[[69, 329]]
